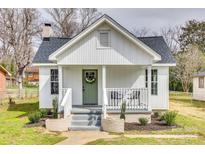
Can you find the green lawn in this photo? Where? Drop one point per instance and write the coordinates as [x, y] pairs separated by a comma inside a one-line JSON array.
[[144, 141], [191, 118], [13, 119]]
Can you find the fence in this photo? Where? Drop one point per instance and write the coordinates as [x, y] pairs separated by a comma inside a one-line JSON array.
[[14, 93]]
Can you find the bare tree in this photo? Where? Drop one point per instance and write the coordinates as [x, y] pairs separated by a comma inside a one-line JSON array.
[[18, 28], [188, 63], [142, 32], [171, 36], [67, 22], [4, 49], [63, 21], [86, 17]]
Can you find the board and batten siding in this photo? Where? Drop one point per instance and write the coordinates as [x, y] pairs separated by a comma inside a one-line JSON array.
[[198, 93], [125, 77], [134, 77], [116, 77], [161, 100], [121, 52], [45, 97], [72, 78]]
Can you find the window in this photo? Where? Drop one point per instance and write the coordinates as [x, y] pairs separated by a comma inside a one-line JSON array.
[[201, 82], [54, 81], [104, 39], [30, 75], [154, 81], [146, 78]]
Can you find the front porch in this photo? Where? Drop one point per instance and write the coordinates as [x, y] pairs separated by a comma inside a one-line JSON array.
[[115, 85]]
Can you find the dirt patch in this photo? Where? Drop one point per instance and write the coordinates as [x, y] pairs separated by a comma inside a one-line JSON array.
[[155, 124]]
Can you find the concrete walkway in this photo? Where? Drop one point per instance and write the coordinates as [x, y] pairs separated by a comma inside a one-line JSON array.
[[160, 136], [83, 137]]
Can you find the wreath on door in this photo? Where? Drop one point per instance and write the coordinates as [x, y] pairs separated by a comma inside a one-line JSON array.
[[90, 77]]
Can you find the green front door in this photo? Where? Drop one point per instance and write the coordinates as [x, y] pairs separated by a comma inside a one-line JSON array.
[[90, 87]]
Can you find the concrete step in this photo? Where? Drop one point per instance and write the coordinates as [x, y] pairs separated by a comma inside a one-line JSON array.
[[85, 122], [86, 117], [76, 128]]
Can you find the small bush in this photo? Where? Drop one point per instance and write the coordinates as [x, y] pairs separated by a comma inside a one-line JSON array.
[[44, 112], [161, 117], [157, 114], [34, 117], [11, 101], [123, 110], [143, 121], [169, 117], [55, 108]]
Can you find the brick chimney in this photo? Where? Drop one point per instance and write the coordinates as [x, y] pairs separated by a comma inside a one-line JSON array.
[[47, 30]]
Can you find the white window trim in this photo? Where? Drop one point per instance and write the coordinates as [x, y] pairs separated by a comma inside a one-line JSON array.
[[53, 82], [98, 39], [155, 82], [146, 81], [201, 86]]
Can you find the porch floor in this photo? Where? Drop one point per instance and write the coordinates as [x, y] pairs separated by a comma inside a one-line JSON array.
[[87, 109]]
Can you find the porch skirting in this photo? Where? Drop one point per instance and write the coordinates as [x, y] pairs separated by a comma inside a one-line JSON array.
[[132, 117]]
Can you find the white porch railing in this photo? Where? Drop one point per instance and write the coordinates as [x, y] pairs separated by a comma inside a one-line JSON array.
[[135, 98], [66, 101]]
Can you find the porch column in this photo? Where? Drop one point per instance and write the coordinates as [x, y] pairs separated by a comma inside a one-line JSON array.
[[149, 69], [60, 86], [104, 98]]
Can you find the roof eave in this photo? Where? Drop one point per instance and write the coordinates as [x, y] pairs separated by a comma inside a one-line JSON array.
[[43, 64], [5, 70], [164, 64]]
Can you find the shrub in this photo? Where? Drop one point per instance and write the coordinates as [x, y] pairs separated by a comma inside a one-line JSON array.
[[161, 117], [55, 108], [11, 101], [123, 109], [44, 112], [157, 114], [34, 117], [143, 121], [169, 117]]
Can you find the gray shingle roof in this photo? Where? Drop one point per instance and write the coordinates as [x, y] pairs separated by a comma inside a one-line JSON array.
[[47, 47], [156, 43]]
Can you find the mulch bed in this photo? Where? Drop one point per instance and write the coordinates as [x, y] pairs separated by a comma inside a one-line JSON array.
[[41, 123], [155, 124]]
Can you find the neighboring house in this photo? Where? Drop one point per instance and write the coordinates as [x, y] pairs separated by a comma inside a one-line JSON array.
[[32, 75], [11, 81], [101, 67], [3, 74], [198, 86]]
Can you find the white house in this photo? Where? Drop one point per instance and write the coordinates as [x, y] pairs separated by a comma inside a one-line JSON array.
[[198, 86], [102, 67]]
